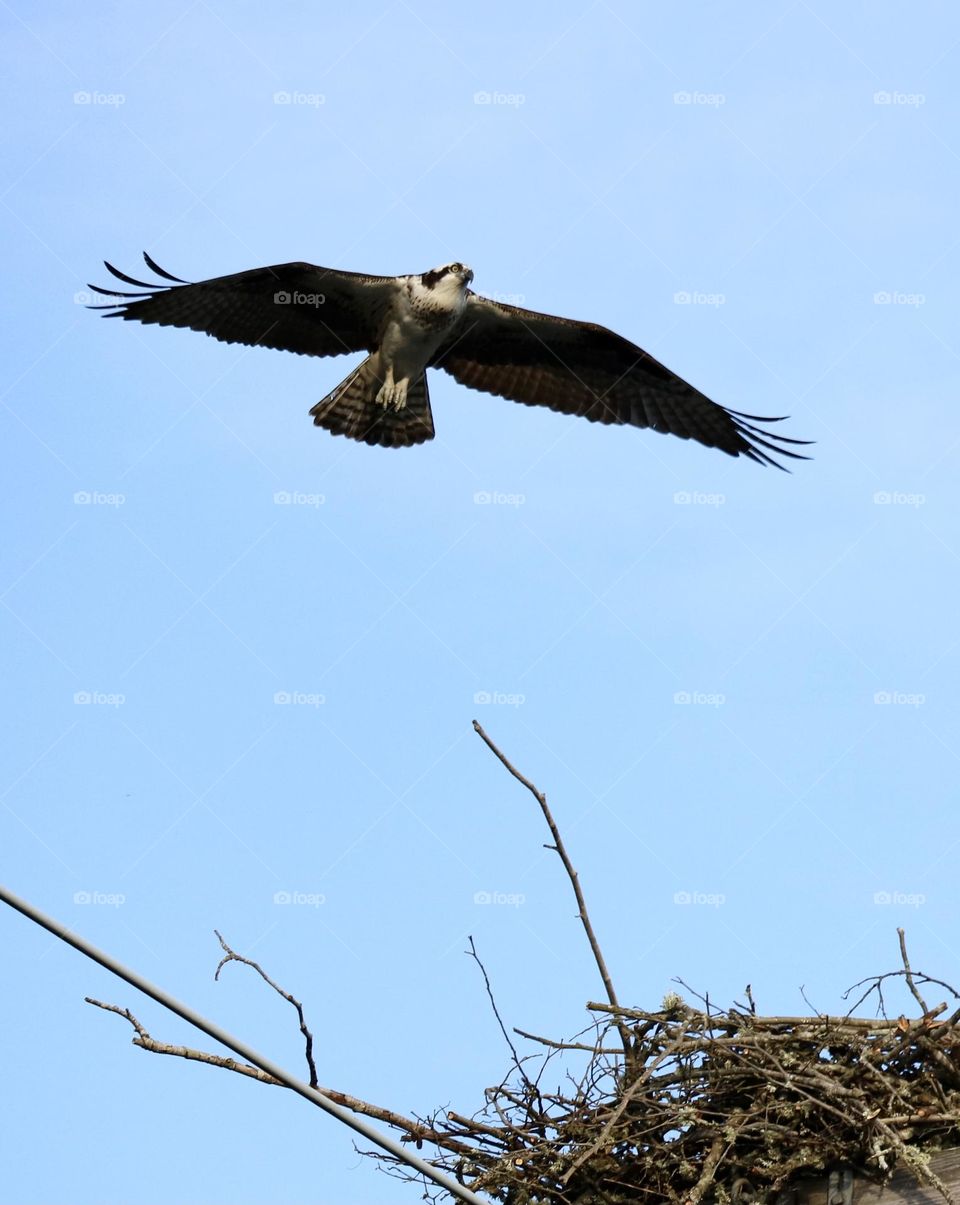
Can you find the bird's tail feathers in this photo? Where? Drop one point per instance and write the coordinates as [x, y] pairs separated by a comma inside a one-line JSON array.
[[352, 410]]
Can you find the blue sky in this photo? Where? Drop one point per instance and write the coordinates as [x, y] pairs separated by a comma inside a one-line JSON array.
[[737, 687]]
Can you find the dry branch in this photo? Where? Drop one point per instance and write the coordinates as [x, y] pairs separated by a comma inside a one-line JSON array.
[[233, 956], [561, 850]]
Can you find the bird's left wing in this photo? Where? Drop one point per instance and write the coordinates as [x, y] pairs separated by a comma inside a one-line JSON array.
[[584, 369], [294, 307]]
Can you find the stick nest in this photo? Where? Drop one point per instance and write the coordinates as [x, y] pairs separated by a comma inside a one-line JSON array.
[[687, 1102]]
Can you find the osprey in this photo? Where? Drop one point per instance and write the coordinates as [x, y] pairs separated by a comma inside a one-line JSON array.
[[408, 324]]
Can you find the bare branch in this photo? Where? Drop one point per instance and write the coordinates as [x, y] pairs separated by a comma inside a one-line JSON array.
[[233, 956], [555, 1045], [413, 1130], [146, 1042], [560, 849], [909, 974], [493, 1004]]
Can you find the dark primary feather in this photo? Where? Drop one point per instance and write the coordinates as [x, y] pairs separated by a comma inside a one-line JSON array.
[[294, 307], [583, 369]]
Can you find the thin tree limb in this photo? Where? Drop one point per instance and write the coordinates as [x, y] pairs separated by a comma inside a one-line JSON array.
[[233, 956], [415, 1131], [493, 1004], [909, 974], [561, 851]]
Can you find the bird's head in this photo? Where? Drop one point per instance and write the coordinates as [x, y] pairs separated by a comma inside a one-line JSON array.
[[450, 274]]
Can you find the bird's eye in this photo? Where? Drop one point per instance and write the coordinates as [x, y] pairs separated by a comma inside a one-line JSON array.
[[456, 267]]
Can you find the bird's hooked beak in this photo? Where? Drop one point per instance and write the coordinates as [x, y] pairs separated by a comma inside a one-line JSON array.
[[466, 275]]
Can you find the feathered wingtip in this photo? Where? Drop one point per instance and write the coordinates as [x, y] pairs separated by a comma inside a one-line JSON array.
[[150, 289], [754, 439]]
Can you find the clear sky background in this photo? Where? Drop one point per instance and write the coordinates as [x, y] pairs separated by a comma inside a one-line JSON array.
[[765, 196]]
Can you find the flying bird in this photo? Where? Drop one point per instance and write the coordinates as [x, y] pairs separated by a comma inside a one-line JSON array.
[[407, 324]]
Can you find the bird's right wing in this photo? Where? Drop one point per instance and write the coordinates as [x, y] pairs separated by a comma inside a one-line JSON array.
[[294, 307], [584, 369]]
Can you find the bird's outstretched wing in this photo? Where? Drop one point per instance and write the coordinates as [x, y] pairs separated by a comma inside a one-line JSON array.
[[579, 368], [294, 307]]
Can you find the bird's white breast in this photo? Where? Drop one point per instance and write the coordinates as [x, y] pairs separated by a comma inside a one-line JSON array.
[[419, 323], [442, 304]]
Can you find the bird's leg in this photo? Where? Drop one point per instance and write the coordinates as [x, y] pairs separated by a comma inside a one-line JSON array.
[[392, 393], [385, 396]]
